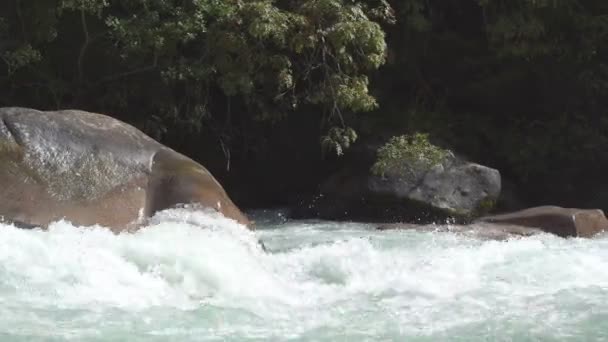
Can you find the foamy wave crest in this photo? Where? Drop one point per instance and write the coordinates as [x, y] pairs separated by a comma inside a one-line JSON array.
[[180, 258]]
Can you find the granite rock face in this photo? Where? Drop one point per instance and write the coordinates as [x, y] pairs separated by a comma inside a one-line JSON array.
[[455, 188], [92, 169]]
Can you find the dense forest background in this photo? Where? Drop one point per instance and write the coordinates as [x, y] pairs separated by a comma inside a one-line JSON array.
[[272, 95]]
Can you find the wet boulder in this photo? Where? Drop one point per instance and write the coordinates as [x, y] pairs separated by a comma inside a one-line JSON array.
[[564, 222], [92, 169], [454, 188]]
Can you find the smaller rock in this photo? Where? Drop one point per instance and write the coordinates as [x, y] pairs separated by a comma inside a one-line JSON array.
[[564, 222], [457, 188], [452, 189]]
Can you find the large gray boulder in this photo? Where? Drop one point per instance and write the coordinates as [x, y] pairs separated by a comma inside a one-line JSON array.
[[454, 188], [92, 169]]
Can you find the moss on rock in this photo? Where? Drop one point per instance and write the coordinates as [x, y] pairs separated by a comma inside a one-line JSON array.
[[408, 153]]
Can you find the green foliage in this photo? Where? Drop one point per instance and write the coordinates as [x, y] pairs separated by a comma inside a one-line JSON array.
[[338, 139], [268, 58], [273, 57], [408, 154], [20, 57]]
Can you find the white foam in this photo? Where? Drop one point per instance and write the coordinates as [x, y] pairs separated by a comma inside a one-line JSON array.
[[321, 278]]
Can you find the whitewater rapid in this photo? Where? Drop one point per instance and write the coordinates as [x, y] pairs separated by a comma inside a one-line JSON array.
[[195, 276]]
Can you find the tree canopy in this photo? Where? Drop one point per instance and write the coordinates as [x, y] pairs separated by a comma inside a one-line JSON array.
[[186, 58]]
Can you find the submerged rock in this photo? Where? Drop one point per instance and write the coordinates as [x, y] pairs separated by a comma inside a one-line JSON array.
[[92, 169], [486, 231], [564, 222]]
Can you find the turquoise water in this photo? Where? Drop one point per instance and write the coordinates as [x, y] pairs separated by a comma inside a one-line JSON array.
[[318, 281]]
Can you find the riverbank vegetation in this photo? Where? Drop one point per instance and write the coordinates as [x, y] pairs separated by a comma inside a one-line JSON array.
[[269, 93]]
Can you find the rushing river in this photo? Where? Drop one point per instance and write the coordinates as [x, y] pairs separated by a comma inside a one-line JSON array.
[[317, 281]]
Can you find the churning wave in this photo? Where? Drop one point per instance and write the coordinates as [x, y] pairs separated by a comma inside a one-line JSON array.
[[194, 275]]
